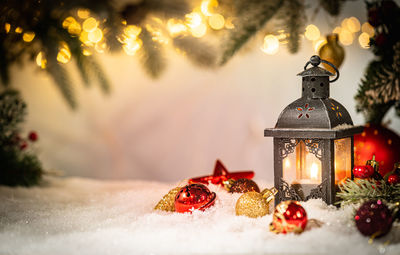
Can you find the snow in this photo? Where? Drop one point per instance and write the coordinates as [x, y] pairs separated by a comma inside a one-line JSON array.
[[84, 216]]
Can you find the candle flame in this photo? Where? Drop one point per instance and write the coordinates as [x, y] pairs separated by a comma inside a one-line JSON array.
[[314, 171]]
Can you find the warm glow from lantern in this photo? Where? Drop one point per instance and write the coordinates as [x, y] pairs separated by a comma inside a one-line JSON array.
[[41, 60], [287, 162], [90, 24], [314, 171], [367, 28], [216, 21], [312, 32], [363, 39], [271, 44], [28, 36]]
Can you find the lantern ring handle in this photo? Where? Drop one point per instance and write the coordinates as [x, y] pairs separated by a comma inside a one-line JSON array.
[[316, 60]]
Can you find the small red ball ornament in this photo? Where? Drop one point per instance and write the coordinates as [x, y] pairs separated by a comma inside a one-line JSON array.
[[194, 196], [289, 217], [379, 141], [363, 171], [393, 179], [33, 136], [374, 219]]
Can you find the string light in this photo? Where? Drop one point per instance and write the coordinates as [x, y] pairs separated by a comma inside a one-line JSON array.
[[64, 54], [216, 21], [86, 52], [68, 21], [41, 60], [206, 5], [363, 39], [74, 28], [83, 13], [353, 25], [7, 27], [96, 35], [132, 47], [18, 30], [346, 37], [28, 36], [176, 27], [312, 32], [271, 44], [367, 28]]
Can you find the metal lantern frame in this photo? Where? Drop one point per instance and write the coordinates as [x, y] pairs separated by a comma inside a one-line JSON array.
[[317, 121]]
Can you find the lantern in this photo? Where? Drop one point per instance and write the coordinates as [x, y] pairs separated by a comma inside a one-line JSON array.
[[313, 140]]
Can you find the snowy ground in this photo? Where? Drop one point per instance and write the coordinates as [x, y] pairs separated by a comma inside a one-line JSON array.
[[83, 216]]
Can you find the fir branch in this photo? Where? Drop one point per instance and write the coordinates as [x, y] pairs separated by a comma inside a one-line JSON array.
[[293, 17], [252, 16], [62, 80], [12, 113], [333, 7], [151, 55], [98, 73], [361, 190], [200, 53]]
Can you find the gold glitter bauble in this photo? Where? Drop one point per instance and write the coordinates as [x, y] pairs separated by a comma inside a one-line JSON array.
[[252, 204], [167, 203]]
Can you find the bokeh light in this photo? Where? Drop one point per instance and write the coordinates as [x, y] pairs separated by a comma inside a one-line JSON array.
[[216, 21], [28, 36], [96, 35], [83, 13], [90, 24], [346, 37], [7, 27], [206, 5], [312, 32], [41, 60], [367, 28], [18, 30], [363, 40], [353, 25], [176, 27], [64, 54], [271, 44]]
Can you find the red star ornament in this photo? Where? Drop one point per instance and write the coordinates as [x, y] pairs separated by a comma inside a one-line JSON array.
[[220, 175]]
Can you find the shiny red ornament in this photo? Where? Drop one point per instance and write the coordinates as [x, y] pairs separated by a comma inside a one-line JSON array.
[[194, 197], [33, 136], [289, 217], [363, 171], [221, 174], [393, 179], [374, 219], [379, 141]]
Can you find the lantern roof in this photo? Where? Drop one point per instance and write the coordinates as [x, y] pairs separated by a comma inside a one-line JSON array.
[[315, 114]]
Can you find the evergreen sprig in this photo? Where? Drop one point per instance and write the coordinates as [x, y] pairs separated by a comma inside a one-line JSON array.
[[357, 191]]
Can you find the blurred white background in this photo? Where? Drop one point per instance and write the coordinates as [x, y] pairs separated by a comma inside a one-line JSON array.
[[176, 127]]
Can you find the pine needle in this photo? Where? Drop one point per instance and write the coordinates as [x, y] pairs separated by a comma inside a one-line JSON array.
[[293, 17], [62, 80], [200, 53], [151, 55]]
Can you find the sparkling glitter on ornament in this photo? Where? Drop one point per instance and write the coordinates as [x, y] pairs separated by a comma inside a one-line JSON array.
[[241, 186], [289, 217], [192, 197], [374, 219], [253, 204], [167, 203]]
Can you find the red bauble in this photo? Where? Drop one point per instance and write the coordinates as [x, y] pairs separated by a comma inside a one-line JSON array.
[[194, 196], [393, 179], [373, 218], [33, 136], [289, 216], [241, 186], [221, 175], [379, 141], [363, 171]]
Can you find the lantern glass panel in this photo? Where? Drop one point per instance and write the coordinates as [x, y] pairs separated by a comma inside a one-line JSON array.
[[301, 166], [342, 159]]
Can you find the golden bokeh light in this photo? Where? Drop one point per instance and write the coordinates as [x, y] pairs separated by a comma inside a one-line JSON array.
[[271, 44], [194, 19], [336, 30], [84, 37], [199, 31], [367, 28], [41, 60], [96, 35], [64, 54], [317, 44], [176, 27], [363, 40], [7, 27], [353, 24], [312, 32], [229, 23], [74, 28], [83, 13], [206, 5], [28, 36], [18, 30], [90, 24], [132, 31], [68, 21], [86, 52], [346, 37], [216, 21], [132, 47]]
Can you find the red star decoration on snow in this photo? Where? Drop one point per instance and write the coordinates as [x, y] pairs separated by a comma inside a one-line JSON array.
[[221, 174]]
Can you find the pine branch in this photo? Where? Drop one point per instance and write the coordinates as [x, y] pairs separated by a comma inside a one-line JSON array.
[[333, 7], [293, 17], [252, 16], [362, 190], [12, 113], [62, 80], [150, 54], [98, 73], [200, 53]]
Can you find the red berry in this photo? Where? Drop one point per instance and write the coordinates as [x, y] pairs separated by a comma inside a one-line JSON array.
[[23, 145], [393, 179], [33, 136], [363, 171]]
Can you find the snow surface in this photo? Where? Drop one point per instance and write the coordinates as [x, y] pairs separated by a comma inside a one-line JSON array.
[[84, 216]]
